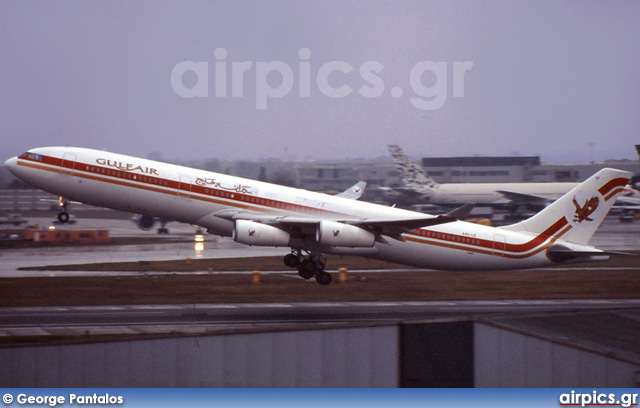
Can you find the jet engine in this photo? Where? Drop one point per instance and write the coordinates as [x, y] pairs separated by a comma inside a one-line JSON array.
[[344, 235], [144, 222], [254, 233]]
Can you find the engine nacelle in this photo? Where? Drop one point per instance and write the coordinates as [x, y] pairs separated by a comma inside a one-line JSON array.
[[144, 222], [254, 233], [344, 235]]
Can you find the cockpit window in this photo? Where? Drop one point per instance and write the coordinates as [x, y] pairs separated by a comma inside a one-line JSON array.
[[32, 156]]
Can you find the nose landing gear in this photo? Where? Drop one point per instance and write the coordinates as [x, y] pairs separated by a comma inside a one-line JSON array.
[[63, 215]]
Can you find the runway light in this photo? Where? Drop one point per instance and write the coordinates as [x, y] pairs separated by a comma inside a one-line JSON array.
[[199, 238], [199, 246], [52, 227]]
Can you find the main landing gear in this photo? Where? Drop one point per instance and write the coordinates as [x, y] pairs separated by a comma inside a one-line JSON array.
[[308, 267]]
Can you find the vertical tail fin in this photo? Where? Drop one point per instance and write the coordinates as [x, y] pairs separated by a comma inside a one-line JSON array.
[[413, 176], [579, 213]]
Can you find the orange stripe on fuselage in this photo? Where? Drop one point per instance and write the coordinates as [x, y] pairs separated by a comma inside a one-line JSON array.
[[170, 187], [488, 247]]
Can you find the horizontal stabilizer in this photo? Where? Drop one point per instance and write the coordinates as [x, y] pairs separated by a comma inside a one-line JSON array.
[[560, 253], [49, 200]]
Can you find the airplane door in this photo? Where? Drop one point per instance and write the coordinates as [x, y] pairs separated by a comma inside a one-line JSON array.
[[184, 186], [68, 164], [499, 244]]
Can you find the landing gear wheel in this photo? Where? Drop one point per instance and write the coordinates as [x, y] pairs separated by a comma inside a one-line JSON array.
[[323, 278], [306, 269], [63, 216], [291, 260]]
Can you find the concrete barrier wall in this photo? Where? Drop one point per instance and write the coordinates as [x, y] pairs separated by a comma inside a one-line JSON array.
[[507, 359], [425, 355], [358, 357]]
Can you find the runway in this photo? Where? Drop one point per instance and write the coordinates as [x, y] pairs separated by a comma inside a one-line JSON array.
[[220, 318]]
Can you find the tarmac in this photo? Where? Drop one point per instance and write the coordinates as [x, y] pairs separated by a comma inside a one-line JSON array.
[[180, 244], [172, 272]]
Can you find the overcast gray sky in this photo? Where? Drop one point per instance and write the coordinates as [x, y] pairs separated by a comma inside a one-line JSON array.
[[547, 78]]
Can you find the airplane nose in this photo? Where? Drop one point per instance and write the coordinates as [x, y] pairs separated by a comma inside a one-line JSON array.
[[12, 164]]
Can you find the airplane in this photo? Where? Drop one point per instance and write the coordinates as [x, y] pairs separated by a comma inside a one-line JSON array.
[[15, 219], [628, 204], [314, 224], [418, 186]]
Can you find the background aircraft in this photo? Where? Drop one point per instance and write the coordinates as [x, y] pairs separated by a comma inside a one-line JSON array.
[[420, 188]]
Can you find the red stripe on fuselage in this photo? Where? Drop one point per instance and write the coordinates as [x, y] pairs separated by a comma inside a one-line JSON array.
[[549, 232], [247, 201]]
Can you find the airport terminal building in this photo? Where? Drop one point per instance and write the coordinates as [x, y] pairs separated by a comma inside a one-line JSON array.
[[525, 169], [338, 176]]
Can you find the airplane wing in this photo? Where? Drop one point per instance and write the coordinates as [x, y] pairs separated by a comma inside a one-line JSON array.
[[354, 192], [390, 227], [406, 193], [626, 207], [523, 198], [627, 201]]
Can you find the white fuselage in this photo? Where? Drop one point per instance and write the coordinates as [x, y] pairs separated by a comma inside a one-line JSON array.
[[490, 193], [195, 196]]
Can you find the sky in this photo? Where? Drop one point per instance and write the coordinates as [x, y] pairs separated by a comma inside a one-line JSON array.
[[330, 80]]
